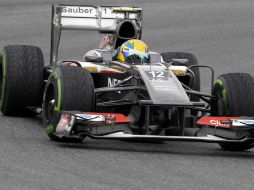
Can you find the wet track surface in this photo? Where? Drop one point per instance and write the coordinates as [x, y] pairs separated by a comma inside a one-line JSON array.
[[219, 32]]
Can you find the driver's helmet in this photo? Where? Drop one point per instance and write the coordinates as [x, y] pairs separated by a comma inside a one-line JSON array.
[[133, 52]]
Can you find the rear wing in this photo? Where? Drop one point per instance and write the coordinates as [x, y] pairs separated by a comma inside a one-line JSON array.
[[103, 19]]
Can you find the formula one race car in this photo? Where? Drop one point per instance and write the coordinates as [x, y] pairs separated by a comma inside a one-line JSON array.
[[102, 98]]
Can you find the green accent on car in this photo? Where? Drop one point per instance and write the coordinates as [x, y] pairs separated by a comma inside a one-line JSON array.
[[53, 73], [219, 82], [225, 100], [224, 95], [58, 104], [57, 107], [3, 64], [49, 129]]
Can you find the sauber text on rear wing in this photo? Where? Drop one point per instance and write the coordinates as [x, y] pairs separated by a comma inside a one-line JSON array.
[[83, 17]]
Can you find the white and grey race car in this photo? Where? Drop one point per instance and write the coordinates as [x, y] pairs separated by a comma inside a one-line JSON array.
[[101, 98]]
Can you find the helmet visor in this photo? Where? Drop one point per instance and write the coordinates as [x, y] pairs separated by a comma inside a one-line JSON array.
[[142, 55]]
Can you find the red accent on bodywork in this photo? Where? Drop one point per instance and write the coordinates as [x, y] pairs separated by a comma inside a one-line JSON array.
[[107, 71], [215, 121], [118, 118]]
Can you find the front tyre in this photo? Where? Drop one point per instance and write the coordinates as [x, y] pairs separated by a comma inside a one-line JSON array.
[[235, 98], [21, 78], [69, 88]]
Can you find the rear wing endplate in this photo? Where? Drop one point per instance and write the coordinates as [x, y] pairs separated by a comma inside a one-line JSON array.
[[85, 17]]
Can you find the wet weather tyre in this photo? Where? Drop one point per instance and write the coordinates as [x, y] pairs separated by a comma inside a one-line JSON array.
[[21, 78], [69, 88], [235, 92]]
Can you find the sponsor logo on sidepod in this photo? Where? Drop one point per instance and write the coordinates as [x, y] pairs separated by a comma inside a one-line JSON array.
[[112, 82]]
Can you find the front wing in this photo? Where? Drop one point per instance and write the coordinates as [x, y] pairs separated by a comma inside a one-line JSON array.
[[114, 126]]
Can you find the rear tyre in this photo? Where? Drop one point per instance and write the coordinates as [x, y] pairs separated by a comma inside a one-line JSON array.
[[69, 88], [21, 79], [192, 60], [235, 92]]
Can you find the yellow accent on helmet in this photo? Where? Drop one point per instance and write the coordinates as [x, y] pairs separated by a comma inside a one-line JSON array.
[[126, 9], [132, 47]]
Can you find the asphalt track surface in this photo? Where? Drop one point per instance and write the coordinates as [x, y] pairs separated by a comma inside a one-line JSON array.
[[219, 32]]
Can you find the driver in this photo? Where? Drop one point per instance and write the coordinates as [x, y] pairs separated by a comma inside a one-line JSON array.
[[133, 52]]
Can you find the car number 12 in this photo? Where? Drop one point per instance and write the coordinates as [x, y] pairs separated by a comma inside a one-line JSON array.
[[157, 74]]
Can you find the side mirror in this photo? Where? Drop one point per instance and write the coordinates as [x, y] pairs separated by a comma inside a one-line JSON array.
[[93, 56], [154, 57], [180, 62]]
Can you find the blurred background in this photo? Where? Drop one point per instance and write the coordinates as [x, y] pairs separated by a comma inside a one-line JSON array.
[[219, 32]]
